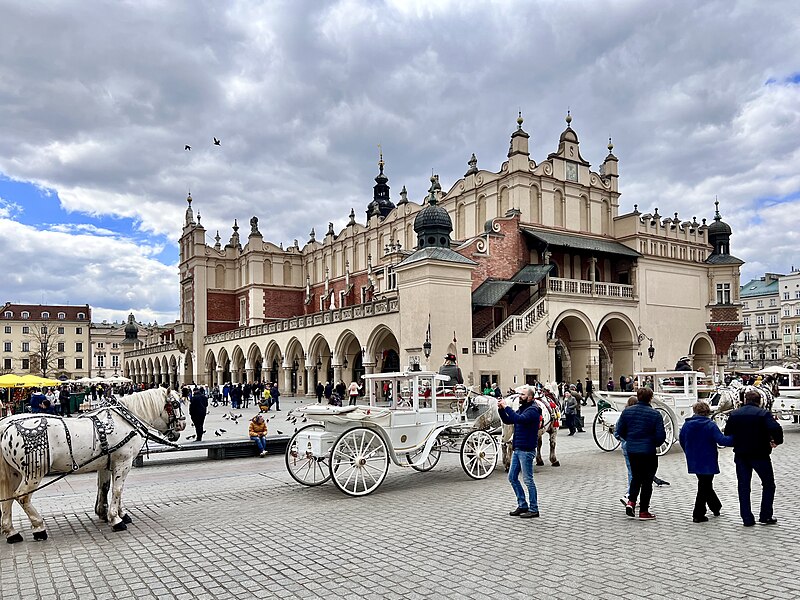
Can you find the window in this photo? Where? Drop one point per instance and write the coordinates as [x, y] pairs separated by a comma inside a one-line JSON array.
[[45, 315], [773, 319], [9, 314], [101, 360], [81, 316], [61, 364], [79, 363], [60, 346], [26, 314], [26, 330], [787, 351], [759, 304], [60, 331], [797, 328], [391, 279], [115, 360], [787, 312], [723, 293], [6, 346], [746, 336], [363, 294], [797, 311], [243, 312], [747, 321], [321, 303], [747, 355], [773, 354], [43, 329], [744, 305], [78, 346], [26, 364], [787, 330], [26, 346], [785, 295], [761, 335], [79, 330], [7, 364], [773, 334], [114, 346], [760, 320], [8, 328], [797, 295], [772, 302], [62, 316], [100, 345]]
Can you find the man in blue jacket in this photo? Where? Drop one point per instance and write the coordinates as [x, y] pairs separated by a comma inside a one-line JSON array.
[[699, 438], [755, 433], [642, 429], [526, 422]]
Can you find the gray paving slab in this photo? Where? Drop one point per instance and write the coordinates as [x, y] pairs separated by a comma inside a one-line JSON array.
[[243, 528]]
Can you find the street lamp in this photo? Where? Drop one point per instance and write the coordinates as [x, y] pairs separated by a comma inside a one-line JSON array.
[[319, 362], [344, 364], [426, 346], [651, 352]]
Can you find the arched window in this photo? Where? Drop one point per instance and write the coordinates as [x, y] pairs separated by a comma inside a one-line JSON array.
[[584, 213], [62, 316], [287, 273], [503, 203], [559, 209], [81, 316], [45, 315], [480, 213], [9, 314], [606, 218], [219, 276], [267, 271], [26, 314], [534, 204], [461, 221]]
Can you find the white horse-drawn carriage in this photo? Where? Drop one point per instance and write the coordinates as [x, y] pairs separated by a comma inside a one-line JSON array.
[[674, 393], [353, 445]]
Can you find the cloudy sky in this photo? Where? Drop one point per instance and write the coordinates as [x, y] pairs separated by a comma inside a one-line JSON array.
[[98, 99]]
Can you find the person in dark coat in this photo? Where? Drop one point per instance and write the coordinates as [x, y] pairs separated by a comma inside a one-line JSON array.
[[198, 406], [236, 396], [526, 422], [683, 364], [320, 389], [247, 391], [63, 400], [589, 394], [579, 388], [755, 433], [699, 438], [450, 368], [642, 429], [328, 391], [275, 393]]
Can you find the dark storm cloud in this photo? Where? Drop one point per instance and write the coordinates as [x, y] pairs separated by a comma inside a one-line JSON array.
[[98, 99]]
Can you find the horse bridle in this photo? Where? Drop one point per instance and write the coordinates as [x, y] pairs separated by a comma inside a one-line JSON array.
[[174, 411]]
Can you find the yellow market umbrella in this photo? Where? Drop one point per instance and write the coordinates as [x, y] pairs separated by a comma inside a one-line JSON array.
[[10, 380], [36, 381]]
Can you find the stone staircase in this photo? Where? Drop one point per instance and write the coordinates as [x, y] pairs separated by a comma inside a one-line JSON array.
[[514, 324]]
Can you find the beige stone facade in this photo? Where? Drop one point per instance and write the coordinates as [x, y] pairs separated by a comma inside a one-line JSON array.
[[540, 279]]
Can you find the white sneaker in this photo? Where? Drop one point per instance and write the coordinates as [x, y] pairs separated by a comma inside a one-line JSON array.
[[264, 453]]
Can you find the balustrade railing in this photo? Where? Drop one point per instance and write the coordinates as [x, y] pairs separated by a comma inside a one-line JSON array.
[[506, 329], [596, 289]]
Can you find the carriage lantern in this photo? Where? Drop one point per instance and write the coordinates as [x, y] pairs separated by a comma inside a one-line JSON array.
[[651, 352]]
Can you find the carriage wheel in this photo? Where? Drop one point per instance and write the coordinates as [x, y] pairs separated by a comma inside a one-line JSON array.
[[479, 454], [359, 461], [430, 462], [669, 429], [603, 432], [304, 467]]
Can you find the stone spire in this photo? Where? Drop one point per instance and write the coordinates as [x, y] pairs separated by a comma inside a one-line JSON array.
[[352, 220], [432, 224], [719, 233], [312, 236], [217, 245], [189, 213], [403, 196], [234, 242], [254, 227], [473, 166], [519, 140], [381, 204]]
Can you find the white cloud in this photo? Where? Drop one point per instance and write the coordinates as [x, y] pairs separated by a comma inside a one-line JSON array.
[[99, 99]]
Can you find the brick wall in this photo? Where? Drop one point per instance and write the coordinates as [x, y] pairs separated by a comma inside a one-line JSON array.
[[283, 303], [724, 313], [338, 285], [507, 254], [223, 312]]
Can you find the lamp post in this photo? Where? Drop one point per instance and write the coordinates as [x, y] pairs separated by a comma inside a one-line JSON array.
[[426, 346]]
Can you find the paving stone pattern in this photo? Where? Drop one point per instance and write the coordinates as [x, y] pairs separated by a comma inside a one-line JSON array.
[[243, 529]]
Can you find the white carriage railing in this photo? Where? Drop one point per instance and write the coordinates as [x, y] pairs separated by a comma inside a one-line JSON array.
[[579, 287], [506, 329]]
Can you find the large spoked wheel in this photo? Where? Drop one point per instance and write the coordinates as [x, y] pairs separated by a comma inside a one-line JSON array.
[[430, 462], [479, 454], [303, 466], [603, 431], [669, 429], [359, 461]]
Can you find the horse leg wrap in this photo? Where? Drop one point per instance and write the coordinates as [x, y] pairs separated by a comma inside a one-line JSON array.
[[13, 539], [119, 527], [126, 519], [39, 536]]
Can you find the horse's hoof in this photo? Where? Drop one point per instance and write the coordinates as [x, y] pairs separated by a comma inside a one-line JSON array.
[[17, 537], [126, 519], [556, 464], [539, 464], [39, 536], [119, 527]]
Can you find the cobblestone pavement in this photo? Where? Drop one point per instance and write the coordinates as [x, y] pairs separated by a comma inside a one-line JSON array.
[[242, 528]]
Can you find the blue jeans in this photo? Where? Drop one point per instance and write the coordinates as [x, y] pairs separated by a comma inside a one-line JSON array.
[[261, 442], [744, 475], [522, 460], [627, 464]]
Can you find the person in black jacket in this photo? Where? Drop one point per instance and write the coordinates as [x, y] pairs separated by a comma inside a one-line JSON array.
[[526, 422], [63, 399], [319, 389], [755, 433], [642, 429], [198, 406]]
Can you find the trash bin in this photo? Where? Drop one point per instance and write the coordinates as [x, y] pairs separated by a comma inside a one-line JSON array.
[[75, 401]]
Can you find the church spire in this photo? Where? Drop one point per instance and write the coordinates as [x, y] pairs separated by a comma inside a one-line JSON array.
[[381, 204]]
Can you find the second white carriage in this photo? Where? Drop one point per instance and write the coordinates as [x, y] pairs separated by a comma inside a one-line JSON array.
[[353, 445]]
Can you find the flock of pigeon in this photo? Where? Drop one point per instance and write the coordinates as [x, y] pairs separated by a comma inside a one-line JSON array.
[[188, 148], [234, 418]]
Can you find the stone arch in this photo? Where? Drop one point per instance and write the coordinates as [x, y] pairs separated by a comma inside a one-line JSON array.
[[575, 334], [619, 342], [273, 361], [255, 362], [383, 350], [348, 355], [164, 370], [534, 198], [173, 371], [702, 352], [237, 365], [294, 362], [211, 368], [150, 372], [188, 367], [320, 357]]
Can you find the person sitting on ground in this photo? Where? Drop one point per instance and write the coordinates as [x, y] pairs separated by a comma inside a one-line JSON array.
[[258, 433]]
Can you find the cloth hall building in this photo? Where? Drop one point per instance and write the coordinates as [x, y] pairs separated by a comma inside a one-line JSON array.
[[525, 273]]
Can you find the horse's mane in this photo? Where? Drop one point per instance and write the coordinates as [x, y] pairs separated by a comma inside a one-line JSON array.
[[147, 404]]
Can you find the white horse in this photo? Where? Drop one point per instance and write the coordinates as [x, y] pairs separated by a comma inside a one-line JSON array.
[[545, 400], [105, 440]]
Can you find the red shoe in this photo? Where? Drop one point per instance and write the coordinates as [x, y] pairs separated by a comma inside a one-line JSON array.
[[646, 516], [629, 509]]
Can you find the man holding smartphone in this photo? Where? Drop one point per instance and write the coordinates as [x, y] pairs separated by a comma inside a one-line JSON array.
[[526, 422]]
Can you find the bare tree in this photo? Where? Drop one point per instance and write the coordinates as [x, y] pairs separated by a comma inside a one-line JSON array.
[[46, 347]]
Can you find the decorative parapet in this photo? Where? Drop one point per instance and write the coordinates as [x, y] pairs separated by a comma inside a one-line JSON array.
[[581, 288], [156, 349], [348, 313]]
